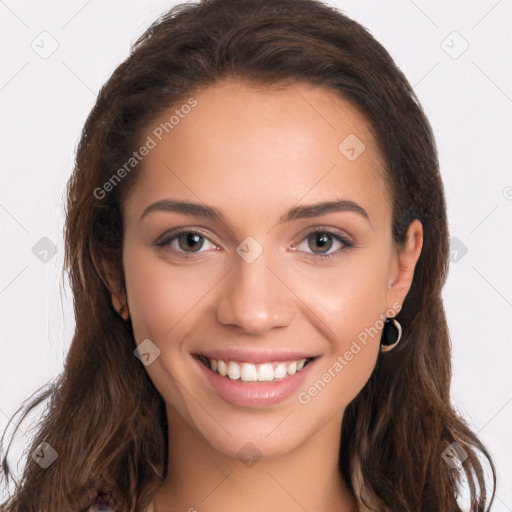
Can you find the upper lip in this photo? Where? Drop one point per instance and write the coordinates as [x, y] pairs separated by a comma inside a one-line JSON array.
[[253, 356]]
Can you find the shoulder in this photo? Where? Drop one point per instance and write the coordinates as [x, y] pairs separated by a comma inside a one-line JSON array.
[[100, 504]]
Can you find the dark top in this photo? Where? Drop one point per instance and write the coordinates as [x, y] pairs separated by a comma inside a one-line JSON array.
[[100, 504]]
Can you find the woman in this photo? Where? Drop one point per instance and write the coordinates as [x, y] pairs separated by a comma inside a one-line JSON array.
[[257, 242]]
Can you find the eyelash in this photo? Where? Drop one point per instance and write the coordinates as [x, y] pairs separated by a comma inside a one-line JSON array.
[[168, 238]]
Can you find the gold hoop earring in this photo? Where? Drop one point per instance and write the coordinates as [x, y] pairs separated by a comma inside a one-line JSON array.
[[386, 336]]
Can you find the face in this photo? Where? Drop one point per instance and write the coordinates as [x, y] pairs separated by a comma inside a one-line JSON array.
[[280, 275]]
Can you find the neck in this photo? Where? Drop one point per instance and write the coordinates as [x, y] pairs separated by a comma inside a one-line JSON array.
[[203, 479]]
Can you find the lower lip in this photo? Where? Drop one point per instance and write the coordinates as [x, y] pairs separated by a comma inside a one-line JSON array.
[[254, 394]]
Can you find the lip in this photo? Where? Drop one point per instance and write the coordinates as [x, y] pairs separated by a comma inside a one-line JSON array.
[[244, 355], [254, 394]]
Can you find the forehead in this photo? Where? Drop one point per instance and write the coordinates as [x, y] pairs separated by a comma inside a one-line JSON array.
[[245, 147]]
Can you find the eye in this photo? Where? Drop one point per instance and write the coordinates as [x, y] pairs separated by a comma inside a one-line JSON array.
[[321, 241], [185, 241]]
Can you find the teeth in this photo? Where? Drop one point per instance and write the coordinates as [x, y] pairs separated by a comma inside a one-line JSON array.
[[248, 372], [233, 370], [222, 368], [265, 372], [281, 370]]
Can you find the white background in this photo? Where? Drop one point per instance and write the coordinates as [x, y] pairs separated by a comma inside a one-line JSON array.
[[468, 100]]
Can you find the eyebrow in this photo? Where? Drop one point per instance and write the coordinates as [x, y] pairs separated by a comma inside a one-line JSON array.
[[297, 212]]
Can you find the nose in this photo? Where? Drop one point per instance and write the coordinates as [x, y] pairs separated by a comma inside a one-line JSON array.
[[255, 298]]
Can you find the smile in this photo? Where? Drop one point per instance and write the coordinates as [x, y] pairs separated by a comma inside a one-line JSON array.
[[265, 380], [249, 372]]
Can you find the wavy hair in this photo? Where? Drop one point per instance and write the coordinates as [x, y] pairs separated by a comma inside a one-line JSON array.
[[104, 417]]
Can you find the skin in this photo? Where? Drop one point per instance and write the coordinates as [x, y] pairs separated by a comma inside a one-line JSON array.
[[227, 153]]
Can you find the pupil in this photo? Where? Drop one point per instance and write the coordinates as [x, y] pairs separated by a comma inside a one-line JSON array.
[[190, 240], [322, 240]]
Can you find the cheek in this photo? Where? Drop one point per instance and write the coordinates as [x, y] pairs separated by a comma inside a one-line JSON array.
[[348, 297], [161, 302], [346, 304], [157, 297], [351, 349]]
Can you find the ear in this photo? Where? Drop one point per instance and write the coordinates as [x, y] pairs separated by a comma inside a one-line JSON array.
[[114, 282], [404, 263]]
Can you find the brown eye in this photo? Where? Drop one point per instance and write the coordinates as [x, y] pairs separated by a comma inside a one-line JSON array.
[[320, 240], [185, 242], [323, 244], [192, 241]]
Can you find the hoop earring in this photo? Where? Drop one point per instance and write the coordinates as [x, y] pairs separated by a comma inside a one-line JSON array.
[[387, 336]]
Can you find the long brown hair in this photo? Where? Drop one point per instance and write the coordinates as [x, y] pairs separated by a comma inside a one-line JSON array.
[[105, 419]]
